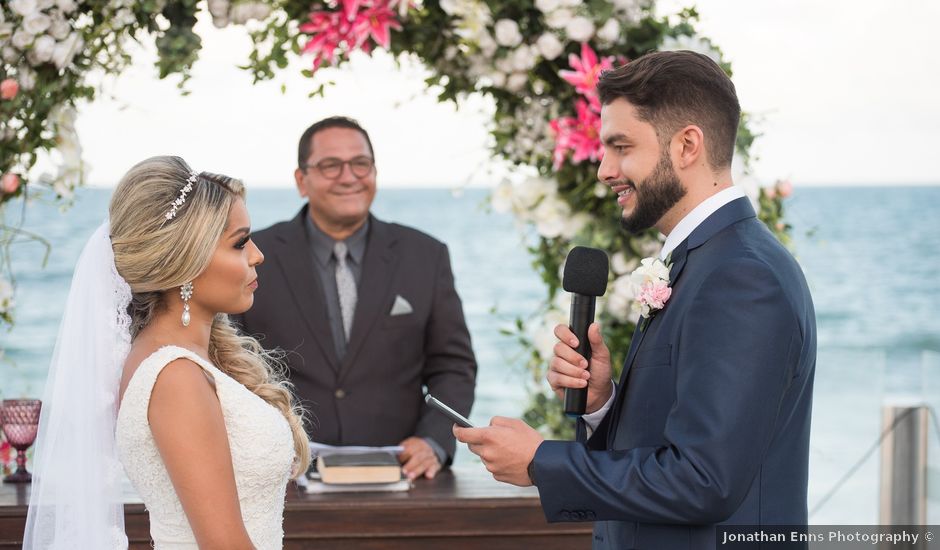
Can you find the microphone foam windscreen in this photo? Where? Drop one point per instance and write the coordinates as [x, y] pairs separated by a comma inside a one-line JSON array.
[[586, 271]]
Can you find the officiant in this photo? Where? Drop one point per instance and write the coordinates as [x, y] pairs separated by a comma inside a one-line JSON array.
[[366, 310]]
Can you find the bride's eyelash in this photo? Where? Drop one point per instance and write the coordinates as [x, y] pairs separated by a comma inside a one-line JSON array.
[[242, 242]]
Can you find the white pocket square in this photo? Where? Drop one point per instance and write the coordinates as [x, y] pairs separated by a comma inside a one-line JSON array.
[[400, 307]]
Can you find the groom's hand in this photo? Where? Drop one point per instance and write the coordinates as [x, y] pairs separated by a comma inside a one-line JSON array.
[[568, 369]]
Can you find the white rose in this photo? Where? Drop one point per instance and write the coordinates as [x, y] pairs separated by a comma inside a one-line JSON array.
[[523, 58], [610, 32], [42, 50], [571, 3], [559, 18], [23, 7], [22, 39], [65, 51], [516, 82], [575, 224], [10, 55], [529, 192], [549, 46], [620, 264], [580, 29], [507, 33], [551, 216], [547, 6], [487, 44], [242, 13], [66, 6], [36, 23], [498, 78], [27, 78], [44, 4], [503, 64], [60, 29]]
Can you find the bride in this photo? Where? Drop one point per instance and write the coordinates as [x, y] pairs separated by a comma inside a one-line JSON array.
[[149, 373]]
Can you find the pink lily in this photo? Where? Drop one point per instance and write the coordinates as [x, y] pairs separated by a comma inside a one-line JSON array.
[[580, 135], [586, 73]]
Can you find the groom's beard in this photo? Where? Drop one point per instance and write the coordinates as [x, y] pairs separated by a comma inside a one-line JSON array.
[[654, 196]]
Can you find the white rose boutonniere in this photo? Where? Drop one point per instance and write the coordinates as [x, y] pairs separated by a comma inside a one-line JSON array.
[[651, 288]]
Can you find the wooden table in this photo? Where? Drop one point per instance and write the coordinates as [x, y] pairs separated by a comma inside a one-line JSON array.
[[461, 509]]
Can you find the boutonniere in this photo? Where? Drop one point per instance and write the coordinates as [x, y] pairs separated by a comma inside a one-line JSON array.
[[651, 287]]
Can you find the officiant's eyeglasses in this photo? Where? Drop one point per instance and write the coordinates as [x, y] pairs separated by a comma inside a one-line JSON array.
[[332, 168]]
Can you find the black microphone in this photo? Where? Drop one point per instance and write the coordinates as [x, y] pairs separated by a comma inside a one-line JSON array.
[[585, 277]]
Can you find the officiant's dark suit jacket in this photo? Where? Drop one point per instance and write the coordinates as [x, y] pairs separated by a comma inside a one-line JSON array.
[[373, 396], [711, 420]]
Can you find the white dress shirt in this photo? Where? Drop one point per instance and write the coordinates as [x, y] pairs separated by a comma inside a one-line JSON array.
[[679, 233]]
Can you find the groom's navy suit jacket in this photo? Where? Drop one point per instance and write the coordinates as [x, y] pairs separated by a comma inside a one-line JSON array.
[[711, 419]]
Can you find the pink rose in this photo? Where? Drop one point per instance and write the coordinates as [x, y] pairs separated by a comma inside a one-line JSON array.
[[770, 192], [655, 295], [785, 188], [9, 183], [9, 88]]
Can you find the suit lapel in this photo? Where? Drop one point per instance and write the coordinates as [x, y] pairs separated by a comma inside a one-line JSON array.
[[375, 286], [725, 216], [304, 285]]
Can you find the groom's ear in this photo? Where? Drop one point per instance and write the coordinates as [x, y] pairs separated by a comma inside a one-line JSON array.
[[688, 147]]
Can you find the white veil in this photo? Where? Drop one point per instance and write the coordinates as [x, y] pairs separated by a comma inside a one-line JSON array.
[[75, 500]]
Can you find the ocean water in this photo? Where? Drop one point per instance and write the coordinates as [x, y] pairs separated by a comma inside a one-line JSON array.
[[870, 255]]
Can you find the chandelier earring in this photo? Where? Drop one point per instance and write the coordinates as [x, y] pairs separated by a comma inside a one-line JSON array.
[[186, 292]]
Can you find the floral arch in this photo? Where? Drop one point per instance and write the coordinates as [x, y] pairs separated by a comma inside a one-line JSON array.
[[537, 59]]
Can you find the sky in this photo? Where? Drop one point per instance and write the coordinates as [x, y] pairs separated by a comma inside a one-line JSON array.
[[845, 93]]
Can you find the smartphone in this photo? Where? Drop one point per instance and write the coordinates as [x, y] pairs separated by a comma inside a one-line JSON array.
[[451, 413]]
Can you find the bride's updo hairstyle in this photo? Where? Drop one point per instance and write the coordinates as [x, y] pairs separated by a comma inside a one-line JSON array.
[[154, 253]]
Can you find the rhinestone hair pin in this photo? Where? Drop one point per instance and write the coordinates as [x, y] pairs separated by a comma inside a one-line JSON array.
[[190, 181]]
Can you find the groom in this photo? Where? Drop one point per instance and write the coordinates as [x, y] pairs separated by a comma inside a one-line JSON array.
[[709, 423]]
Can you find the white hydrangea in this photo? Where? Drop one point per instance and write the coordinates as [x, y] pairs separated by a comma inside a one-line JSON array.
[[551, 216], [27, 78], [580, 29], [547, 6], [550, 47], [507, 33], [524, 57], [651, 270], [501, 199], [696, 44], [559, 18], [516, 82], [10, 55]]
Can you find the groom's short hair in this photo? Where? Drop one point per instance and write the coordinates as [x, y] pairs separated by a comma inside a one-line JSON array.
[[673, 89], [303, 147]]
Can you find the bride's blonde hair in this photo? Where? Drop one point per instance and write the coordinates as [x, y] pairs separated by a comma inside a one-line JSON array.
[[155, 254]]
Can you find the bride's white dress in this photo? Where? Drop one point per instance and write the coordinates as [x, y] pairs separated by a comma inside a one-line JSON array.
[[262, 455]]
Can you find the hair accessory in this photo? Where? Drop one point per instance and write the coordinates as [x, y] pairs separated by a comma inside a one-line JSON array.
[[186, 292], [182, 198]]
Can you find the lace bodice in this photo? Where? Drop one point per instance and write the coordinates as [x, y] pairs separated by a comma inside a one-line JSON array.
[[262, 455]]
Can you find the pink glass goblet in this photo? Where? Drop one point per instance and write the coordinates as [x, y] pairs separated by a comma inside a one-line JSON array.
[[20, 421]]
